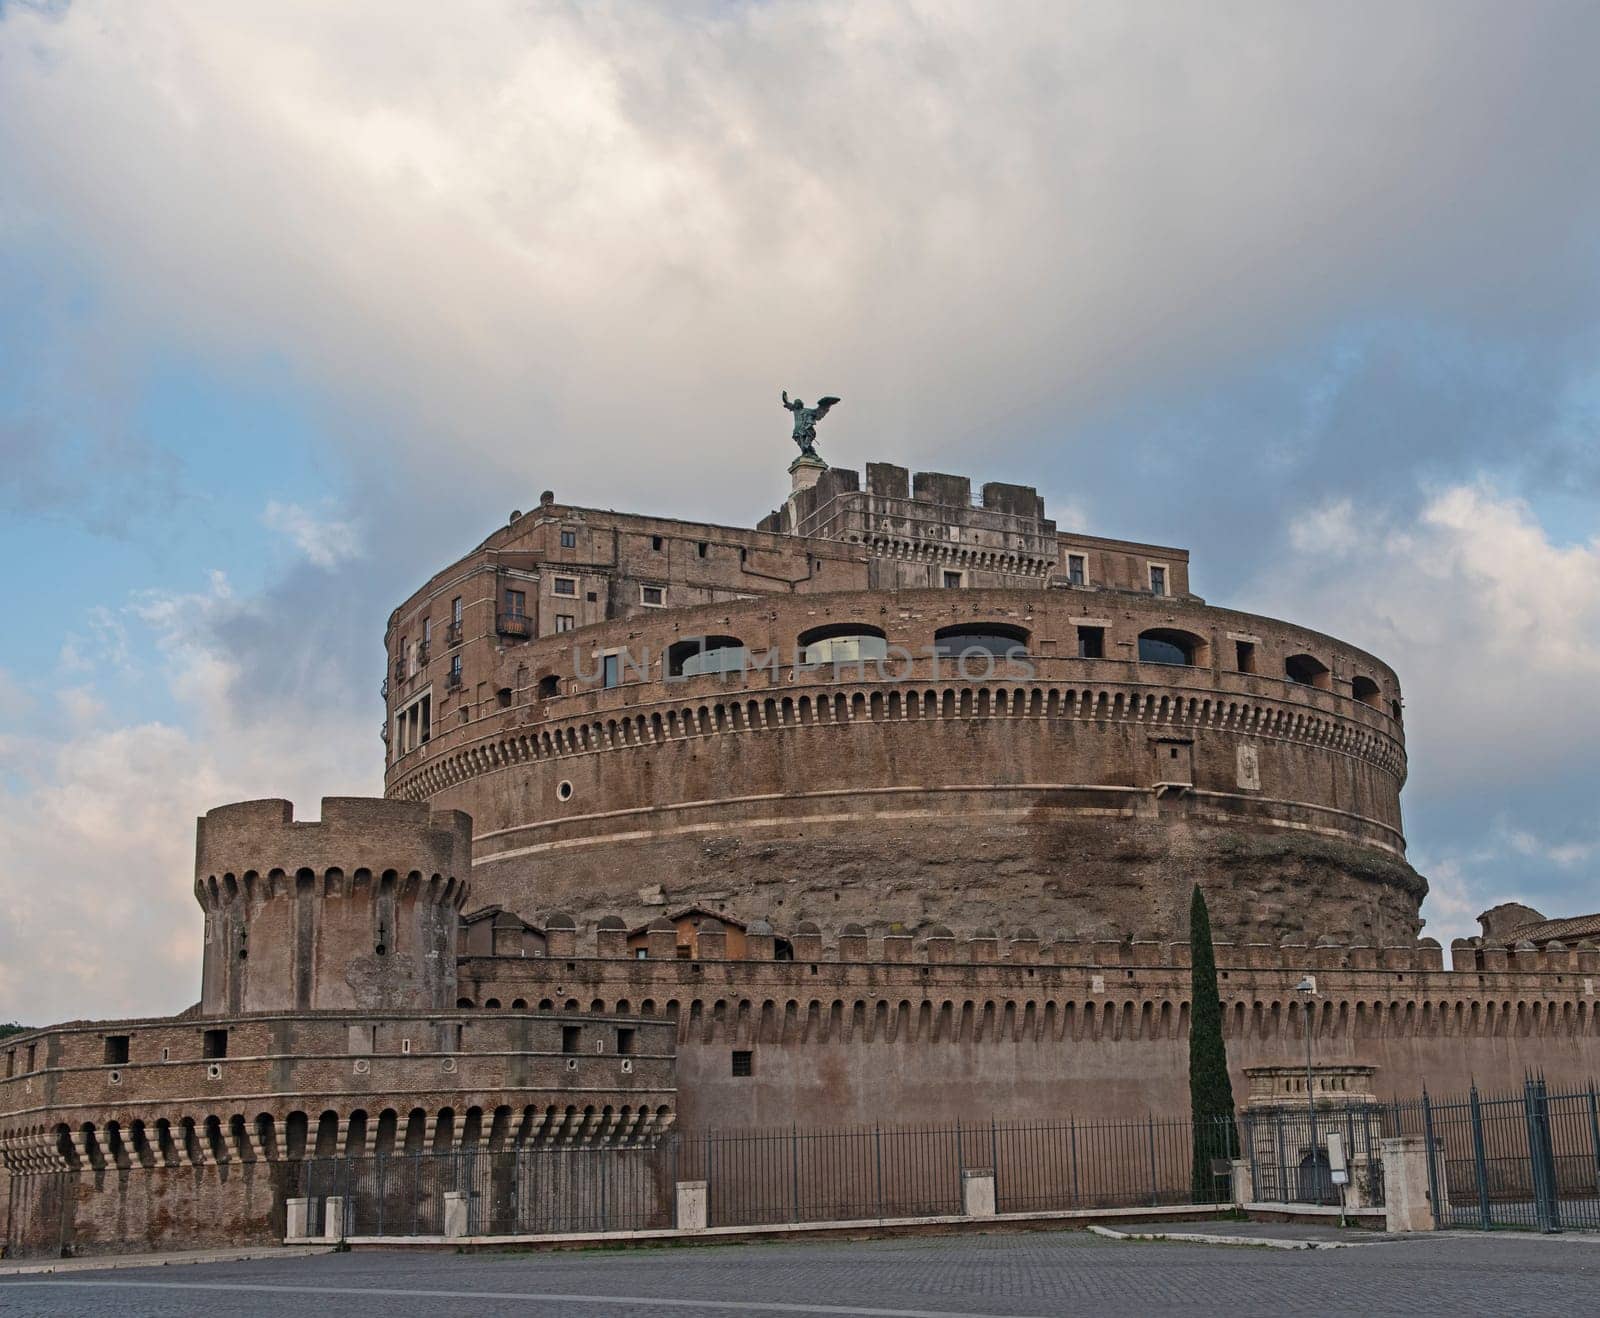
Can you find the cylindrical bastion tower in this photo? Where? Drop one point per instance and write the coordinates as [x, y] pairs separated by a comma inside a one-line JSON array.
[[900, 706], [356, 911]]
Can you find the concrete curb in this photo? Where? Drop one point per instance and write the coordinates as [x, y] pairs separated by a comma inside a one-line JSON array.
[[187, 1258], [1253, 1242], [861, 1228]]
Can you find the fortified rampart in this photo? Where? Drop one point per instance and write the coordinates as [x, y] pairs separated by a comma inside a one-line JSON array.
[[985, 1027], [182, 1128]]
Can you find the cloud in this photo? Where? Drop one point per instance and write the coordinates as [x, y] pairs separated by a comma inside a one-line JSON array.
[[1494, 629], [97, 826], [324, 541], [585, 246]]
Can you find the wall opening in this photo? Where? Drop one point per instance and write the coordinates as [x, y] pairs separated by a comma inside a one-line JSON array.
[[1308, 670], [1166, 645]]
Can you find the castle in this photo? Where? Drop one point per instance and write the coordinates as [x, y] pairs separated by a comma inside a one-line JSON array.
[[886, 810]]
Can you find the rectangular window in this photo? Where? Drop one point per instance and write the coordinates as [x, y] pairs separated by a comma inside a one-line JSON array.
[[1076, 573], [427, 631], [426, 706], [1244, 653], [624, 1041], [653, 596], [455, 610], [563, 622], [455, 669], [116, 1049], [655, 543], [571, 1038], [1091, 642], [952, 580], [564, 586], [641, 954], [701, 548], [32, 1056], [214, 1044], [516, 603], [1158, 580], [611, 670], [569, 539], [743, 1062], [11, 1063]]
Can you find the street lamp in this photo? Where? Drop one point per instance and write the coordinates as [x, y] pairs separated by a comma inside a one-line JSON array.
[[1308, 986]]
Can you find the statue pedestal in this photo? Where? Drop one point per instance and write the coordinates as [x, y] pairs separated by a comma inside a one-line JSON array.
[[805, 471]]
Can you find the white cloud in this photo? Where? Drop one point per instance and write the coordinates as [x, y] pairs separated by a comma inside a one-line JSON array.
[[1330, 530], [97, 826], [1494, 630], [1566, 855], [325, 541]]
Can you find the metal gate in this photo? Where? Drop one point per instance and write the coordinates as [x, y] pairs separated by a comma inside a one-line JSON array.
[[1528, 1160]]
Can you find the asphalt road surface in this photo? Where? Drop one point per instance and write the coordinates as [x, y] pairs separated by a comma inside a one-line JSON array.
[[1023, 1275]]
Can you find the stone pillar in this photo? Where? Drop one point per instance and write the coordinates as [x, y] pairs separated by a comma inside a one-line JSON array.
[[455, 1214], [977, 1192], [691, 1206], [1408, 1205], [333, 1218], [298, 1225], [1243, 1183]]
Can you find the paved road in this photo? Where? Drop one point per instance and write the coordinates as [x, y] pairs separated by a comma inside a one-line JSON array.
[[949, 1277]]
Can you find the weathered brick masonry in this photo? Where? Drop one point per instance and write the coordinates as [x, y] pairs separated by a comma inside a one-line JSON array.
[[887, 810]]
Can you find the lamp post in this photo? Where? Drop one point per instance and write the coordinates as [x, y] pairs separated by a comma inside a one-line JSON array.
[[1308, 987]]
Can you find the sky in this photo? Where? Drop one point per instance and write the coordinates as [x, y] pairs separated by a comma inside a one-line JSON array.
[[298, 301]]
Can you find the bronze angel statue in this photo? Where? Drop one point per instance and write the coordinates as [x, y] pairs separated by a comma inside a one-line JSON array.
[[805, 421]]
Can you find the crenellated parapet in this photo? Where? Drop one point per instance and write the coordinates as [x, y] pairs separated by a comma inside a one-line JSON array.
[[937, 945], [358, 910]]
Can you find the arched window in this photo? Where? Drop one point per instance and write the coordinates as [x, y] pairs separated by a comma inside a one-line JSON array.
[[999, 639], [706, 654], [842, 643], [1164, 645], [1308, 670], [1365, 690], [549, 686]]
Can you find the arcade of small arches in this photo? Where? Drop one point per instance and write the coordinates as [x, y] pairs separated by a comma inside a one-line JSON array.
[[856, 642], [216, 892], [1107, 1017], [216, 1140], [826, 704]]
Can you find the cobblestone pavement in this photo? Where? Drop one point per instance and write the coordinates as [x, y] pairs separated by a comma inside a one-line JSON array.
[[927, 1277]]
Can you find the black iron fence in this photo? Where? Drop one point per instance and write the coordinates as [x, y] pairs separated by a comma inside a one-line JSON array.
[[775, 1177], [1526, 1160], [755, 1178], [526, 1191]]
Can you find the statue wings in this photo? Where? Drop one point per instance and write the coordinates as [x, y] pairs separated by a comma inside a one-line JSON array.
[[823, 404]]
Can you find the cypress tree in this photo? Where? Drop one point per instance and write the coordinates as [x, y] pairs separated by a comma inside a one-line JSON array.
[[1210, 1089]]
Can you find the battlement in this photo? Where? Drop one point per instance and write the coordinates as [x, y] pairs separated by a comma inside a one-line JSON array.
[[716, 939], [354, 833]]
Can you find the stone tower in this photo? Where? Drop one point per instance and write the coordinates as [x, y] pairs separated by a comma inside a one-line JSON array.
[[356, 911]]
